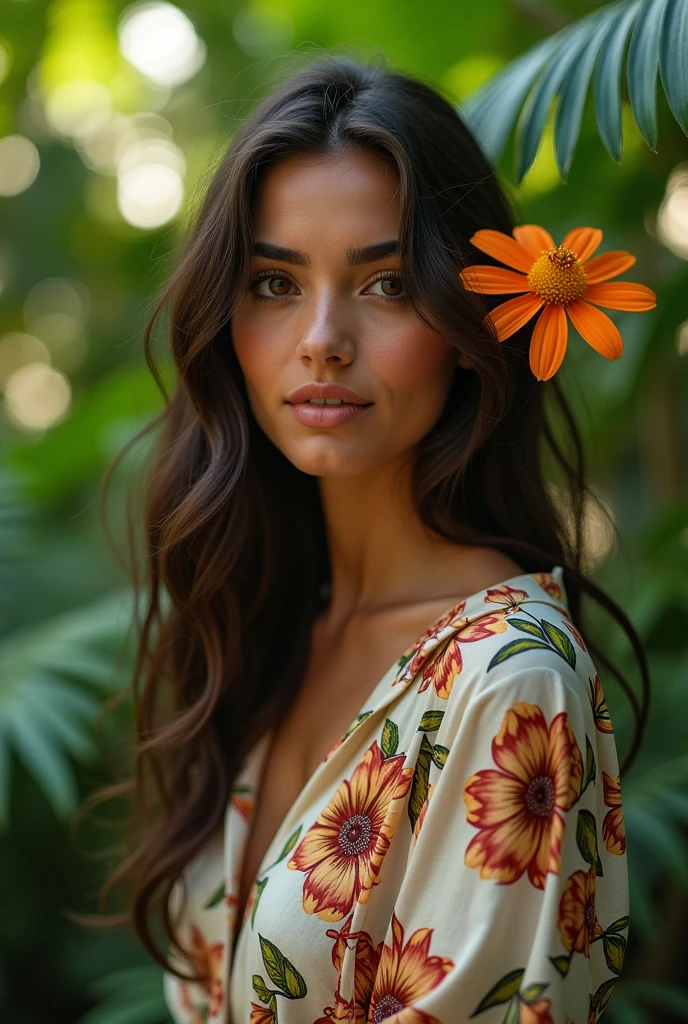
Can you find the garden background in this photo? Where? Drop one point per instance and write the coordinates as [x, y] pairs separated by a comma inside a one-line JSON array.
[[109, 125]]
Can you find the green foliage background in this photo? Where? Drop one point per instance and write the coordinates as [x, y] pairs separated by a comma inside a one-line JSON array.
[[63, 597]]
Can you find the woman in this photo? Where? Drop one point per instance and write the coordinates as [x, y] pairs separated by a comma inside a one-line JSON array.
[[386, 781]]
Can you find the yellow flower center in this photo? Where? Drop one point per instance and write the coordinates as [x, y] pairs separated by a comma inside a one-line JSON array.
[[558, 275]]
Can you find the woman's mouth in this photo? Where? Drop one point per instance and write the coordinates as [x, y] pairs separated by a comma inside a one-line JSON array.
[[327, 414]]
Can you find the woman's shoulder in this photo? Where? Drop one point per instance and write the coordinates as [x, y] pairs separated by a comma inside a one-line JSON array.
[[516, 639]]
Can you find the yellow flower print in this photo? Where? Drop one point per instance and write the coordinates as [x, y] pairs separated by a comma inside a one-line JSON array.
[[603, 722], [367, 958], [613, 828], [577, 921], [519, 809], [506, 595], [441, 671], [206, 960], [405, 974], [539, 1012], [262, 1015], [548, 584], [342, 853]]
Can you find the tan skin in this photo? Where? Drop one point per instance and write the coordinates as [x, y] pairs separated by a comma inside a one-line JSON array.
[[391, 577]]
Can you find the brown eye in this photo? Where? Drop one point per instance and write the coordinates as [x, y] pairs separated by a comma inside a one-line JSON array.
[[279, 285], [392, 288], [395, 283]]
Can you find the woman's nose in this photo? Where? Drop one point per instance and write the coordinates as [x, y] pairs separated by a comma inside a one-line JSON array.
[[325, 330]]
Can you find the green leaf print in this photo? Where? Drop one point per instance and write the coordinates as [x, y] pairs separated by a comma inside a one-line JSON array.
[[217, 897], [431, 721], [618, 926], [603, 994], [614, 949], [562, 964], [260, 885], [403, 660], [586, 838], [390, 739], [505, 989], [281, 971], [513, 1013], [532, 992], [355, 724], [420, 784], [288, 846], [560, 642], [590, 773], [517, 647], [526, 626], [261, 989], [439, 755]]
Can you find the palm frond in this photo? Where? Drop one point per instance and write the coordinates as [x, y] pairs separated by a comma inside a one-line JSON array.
[[132, 995], [52, 676], [562, 67]]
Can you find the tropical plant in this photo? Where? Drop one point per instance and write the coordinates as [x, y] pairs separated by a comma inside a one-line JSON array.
[[561, 67]]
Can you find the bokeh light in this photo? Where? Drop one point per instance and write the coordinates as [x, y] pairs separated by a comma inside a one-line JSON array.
[[37, 396], [19, 164], [161, 42], [150, 185], [77, 107], [55, 311], [5, 59], [17, 349], [672, 217]]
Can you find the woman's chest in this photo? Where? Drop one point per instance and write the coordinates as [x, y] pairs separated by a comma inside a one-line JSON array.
[[332, 695]]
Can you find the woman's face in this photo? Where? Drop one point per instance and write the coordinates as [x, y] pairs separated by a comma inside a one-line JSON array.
[[318, 309]]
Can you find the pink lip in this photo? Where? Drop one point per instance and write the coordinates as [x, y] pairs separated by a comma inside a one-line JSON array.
[[326, 415]]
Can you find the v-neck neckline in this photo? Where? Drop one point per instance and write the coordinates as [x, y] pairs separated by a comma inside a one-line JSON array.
[[389, 688]]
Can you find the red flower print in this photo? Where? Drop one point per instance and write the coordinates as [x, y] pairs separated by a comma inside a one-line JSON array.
[[519, 808], [600, 711], [575, 633], [367, 958], [440, 672], [577, 921], [262, 1015], [613, 828], [405, 974], [539, 1012], [207, 961], [548, 584], [420, 649], [507, 596], [342, 852], [242, 804]]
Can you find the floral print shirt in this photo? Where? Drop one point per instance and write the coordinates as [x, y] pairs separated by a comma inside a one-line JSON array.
[[459, 855]]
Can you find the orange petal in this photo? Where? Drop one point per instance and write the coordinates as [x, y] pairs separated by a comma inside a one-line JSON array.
[[503, 247], [533, 238], [548, 344], [622, 295], [596, 328], [493, 280], [583, 241], [512, 315], [609, 264]]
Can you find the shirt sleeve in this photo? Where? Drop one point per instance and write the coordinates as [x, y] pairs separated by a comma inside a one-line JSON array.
[[513, 908], [199, 927]]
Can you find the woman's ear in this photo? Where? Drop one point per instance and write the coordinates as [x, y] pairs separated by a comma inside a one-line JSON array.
[[464, 362]]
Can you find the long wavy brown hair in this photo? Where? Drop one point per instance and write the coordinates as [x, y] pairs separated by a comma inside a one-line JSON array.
[[222, 634]]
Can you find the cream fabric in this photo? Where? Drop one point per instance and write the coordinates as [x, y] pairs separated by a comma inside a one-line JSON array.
[[459, 854]]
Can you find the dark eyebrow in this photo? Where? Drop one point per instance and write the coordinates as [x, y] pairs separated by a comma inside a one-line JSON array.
[[354, 256]]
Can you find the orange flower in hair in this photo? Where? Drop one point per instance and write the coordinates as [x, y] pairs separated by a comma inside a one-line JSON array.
[[556, 279]]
